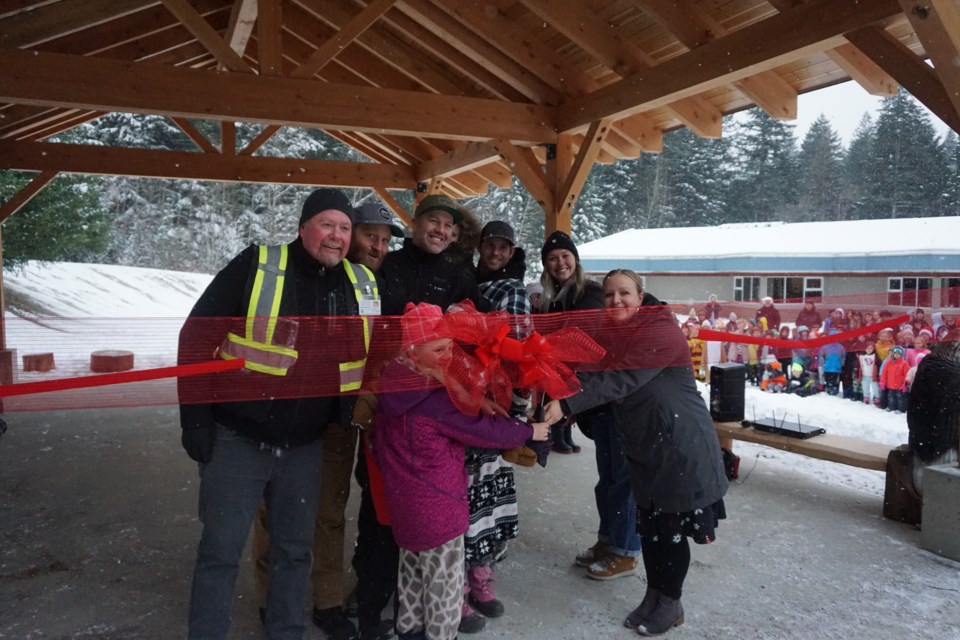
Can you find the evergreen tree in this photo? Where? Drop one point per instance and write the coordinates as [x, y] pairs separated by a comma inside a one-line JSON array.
[[765, 181], [820, 164], [62, 222], [856, 178], [951, 193], [907, 166], [698, 174]]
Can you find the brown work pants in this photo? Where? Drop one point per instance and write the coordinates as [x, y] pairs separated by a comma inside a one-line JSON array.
[[326, 575]]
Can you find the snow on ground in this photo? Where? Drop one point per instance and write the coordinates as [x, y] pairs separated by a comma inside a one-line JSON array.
[[73, 309]]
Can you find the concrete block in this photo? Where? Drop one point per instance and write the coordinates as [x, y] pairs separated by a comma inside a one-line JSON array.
[[941, 511]]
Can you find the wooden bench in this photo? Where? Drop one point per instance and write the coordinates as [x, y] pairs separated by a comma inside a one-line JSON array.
[[851, 451]]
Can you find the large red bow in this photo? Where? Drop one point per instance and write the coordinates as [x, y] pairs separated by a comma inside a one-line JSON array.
[[500, 363]]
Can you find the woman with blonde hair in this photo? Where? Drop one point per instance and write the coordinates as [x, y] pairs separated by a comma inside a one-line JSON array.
[[669, 440]]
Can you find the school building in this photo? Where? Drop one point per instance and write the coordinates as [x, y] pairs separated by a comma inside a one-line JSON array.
[[900, 263]]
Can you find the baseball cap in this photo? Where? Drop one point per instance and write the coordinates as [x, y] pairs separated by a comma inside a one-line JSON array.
[[375, 213], [441, 202], [498, 229]]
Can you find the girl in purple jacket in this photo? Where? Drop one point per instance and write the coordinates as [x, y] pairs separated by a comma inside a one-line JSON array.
[[420, 441]]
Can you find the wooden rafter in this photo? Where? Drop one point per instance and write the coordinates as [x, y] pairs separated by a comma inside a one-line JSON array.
[[937, 23], [53, 79], [387, 198], [863, 70], [577, 176], [153, 163], [198, 138], [532, 177], [269, 37], [911, 71], [243, 17], [207, 36], [24, 195], [339, 41], [478, 49], [815, 26], [468, 156], [695, 28], [46, 23]]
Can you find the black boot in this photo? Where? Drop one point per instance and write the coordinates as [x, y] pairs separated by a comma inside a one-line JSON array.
[[665, 616], [334, 624], [560, 439], [639, 615]]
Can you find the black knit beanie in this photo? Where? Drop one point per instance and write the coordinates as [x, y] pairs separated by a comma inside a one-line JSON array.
[[559, 240], [323, 199]]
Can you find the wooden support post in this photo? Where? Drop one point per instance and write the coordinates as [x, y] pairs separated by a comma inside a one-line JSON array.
[[559, 162]]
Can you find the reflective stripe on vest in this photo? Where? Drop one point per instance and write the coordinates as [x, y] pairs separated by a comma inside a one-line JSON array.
[[256, 347], [364, 285]]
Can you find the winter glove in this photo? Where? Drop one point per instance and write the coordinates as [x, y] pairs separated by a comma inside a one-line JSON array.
[[364, 411], [522, 456], [198, 443]]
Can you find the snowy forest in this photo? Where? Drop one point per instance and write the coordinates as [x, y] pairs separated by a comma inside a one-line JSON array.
[[895, 166]]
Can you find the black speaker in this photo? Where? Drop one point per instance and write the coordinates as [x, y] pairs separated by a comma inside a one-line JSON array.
[[728, 383]]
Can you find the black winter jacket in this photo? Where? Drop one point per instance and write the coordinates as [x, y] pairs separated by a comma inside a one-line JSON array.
[[669, 439], [277, 410], [411, 274]]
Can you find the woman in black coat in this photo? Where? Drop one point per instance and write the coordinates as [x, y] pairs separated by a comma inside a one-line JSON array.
[[669, 439]]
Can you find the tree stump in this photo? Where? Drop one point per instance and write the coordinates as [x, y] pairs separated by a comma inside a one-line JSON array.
[[111, 361], [38, 362]]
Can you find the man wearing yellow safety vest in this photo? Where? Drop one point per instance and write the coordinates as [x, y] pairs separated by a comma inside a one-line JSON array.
[[373, 227], [266, 441]]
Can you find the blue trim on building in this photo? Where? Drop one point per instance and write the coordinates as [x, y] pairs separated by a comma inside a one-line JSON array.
[[817, 265]]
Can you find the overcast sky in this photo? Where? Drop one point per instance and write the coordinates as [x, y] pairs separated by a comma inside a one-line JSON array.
[[844, 105]]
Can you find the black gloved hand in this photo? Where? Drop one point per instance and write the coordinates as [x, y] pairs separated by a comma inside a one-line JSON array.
[[198, 442]]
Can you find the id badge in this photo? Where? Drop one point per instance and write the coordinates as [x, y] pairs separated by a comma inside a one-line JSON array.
[[369, 307]]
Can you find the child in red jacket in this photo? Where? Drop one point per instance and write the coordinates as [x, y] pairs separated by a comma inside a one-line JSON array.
[[893, 382]]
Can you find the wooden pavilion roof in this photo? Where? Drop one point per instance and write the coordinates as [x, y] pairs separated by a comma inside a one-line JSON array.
[[451, 95]]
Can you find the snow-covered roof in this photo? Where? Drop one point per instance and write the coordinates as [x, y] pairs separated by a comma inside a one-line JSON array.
[[904, 244]]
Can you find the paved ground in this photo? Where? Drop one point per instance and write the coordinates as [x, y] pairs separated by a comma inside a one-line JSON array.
[[98, 528]]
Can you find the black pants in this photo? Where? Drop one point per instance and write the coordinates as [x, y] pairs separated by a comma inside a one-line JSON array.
[[666, 564], [375, 558]]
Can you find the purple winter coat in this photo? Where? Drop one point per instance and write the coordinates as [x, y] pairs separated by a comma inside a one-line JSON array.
[[420, 442]]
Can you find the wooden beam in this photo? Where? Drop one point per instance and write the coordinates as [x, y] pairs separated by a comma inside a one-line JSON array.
[[194, 134], [243, 17], [695, 28], [530, 176], [812, 27], [339, 41], [867, 73], [228, 138], [259, 140], [480, 50], [937, 23], [57, 19], [152, 163], [640, 128], [270, 37], [699, 115], [207, 36], [907, 68], [559, 164], [570, 192], [24, 195], [394, 205], [32, 77], [470, 155], [772, 93], [487, 21]]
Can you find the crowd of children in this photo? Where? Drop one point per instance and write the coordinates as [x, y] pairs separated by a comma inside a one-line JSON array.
[[874, 368]]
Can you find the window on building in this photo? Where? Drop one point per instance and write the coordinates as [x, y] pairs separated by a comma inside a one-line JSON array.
[[795, 289], [746, 289], [910, 292], [950, 292]]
